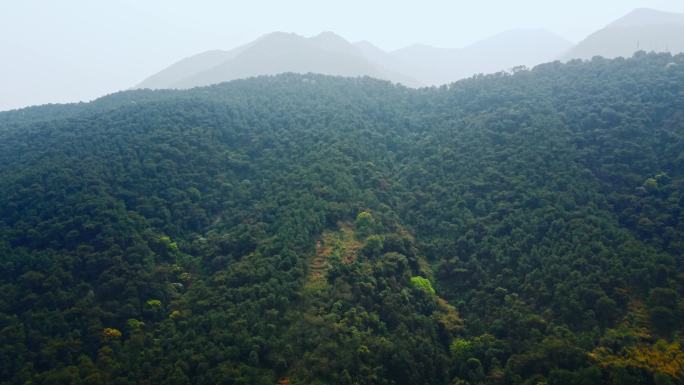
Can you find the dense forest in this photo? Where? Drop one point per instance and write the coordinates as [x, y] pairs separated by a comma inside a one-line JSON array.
[[517, 228]]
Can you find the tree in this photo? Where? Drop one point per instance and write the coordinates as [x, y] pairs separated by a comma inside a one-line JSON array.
[[422, 283], [365, 223]]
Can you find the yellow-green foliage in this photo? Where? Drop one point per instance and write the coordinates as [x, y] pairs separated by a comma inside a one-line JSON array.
[[154, 303], [661, 357], [166, 240], [448, 317], [110, 334], [364, 222], [133, 323], [185, 277], [339, 245], [374, 244], [461, 349], [364, 218], [423, 284], [651, 184]]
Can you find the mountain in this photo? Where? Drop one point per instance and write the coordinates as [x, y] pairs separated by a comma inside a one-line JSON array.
[[377, 55], [642, 29], [328, 53], [177, 72], [431, 65], [520, 47], [516, 228], [641, 17], [272, 54]]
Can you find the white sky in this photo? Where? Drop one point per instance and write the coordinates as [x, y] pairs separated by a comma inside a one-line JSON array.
[[71, 50]]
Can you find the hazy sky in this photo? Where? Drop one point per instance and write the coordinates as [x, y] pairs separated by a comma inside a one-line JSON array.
[[70, 50]]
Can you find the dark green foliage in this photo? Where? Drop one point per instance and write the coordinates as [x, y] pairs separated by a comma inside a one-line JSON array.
[[541, 205]]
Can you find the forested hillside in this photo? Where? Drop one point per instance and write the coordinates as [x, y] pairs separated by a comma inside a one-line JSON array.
[[522, 228]]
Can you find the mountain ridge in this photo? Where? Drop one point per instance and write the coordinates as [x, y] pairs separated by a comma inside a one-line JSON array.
[[521, 227], [425, 65], [416, 65], [642, 29], [273, 53]]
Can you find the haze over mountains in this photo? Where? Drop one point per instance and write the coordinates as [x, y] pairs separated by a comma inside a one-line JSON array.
[[330, 54], [312, 208], [419, 64], [511, 229], [642, 29], [435, 66], [271, 54]]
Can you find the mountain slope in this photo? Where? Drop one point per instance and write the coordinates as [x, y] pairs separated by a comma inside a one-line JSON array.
[[432, 65], [519, 47], [523, 47], [193, 64], [272, 54], [642, 29], [328, 53], [518, 228], [641, 17]]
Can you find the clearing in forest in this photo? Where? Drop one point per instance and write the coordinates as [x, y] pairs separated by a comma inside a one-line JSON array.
[[339, 245]]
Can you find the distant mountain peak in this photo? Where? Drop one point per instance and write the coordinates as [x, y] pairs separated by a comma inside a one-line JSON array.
[[275, 53], [333, 42], [365, 43], [328, 35], [641, 29], [330, 53], [279, 36], [330, 39], [648, 16]]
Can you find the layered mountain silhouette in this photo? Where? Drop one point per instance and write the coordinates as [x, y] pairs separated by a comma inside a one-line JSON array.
[[419, 64], [272, 54], [642, 29], [330, 54], [521, 47]]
